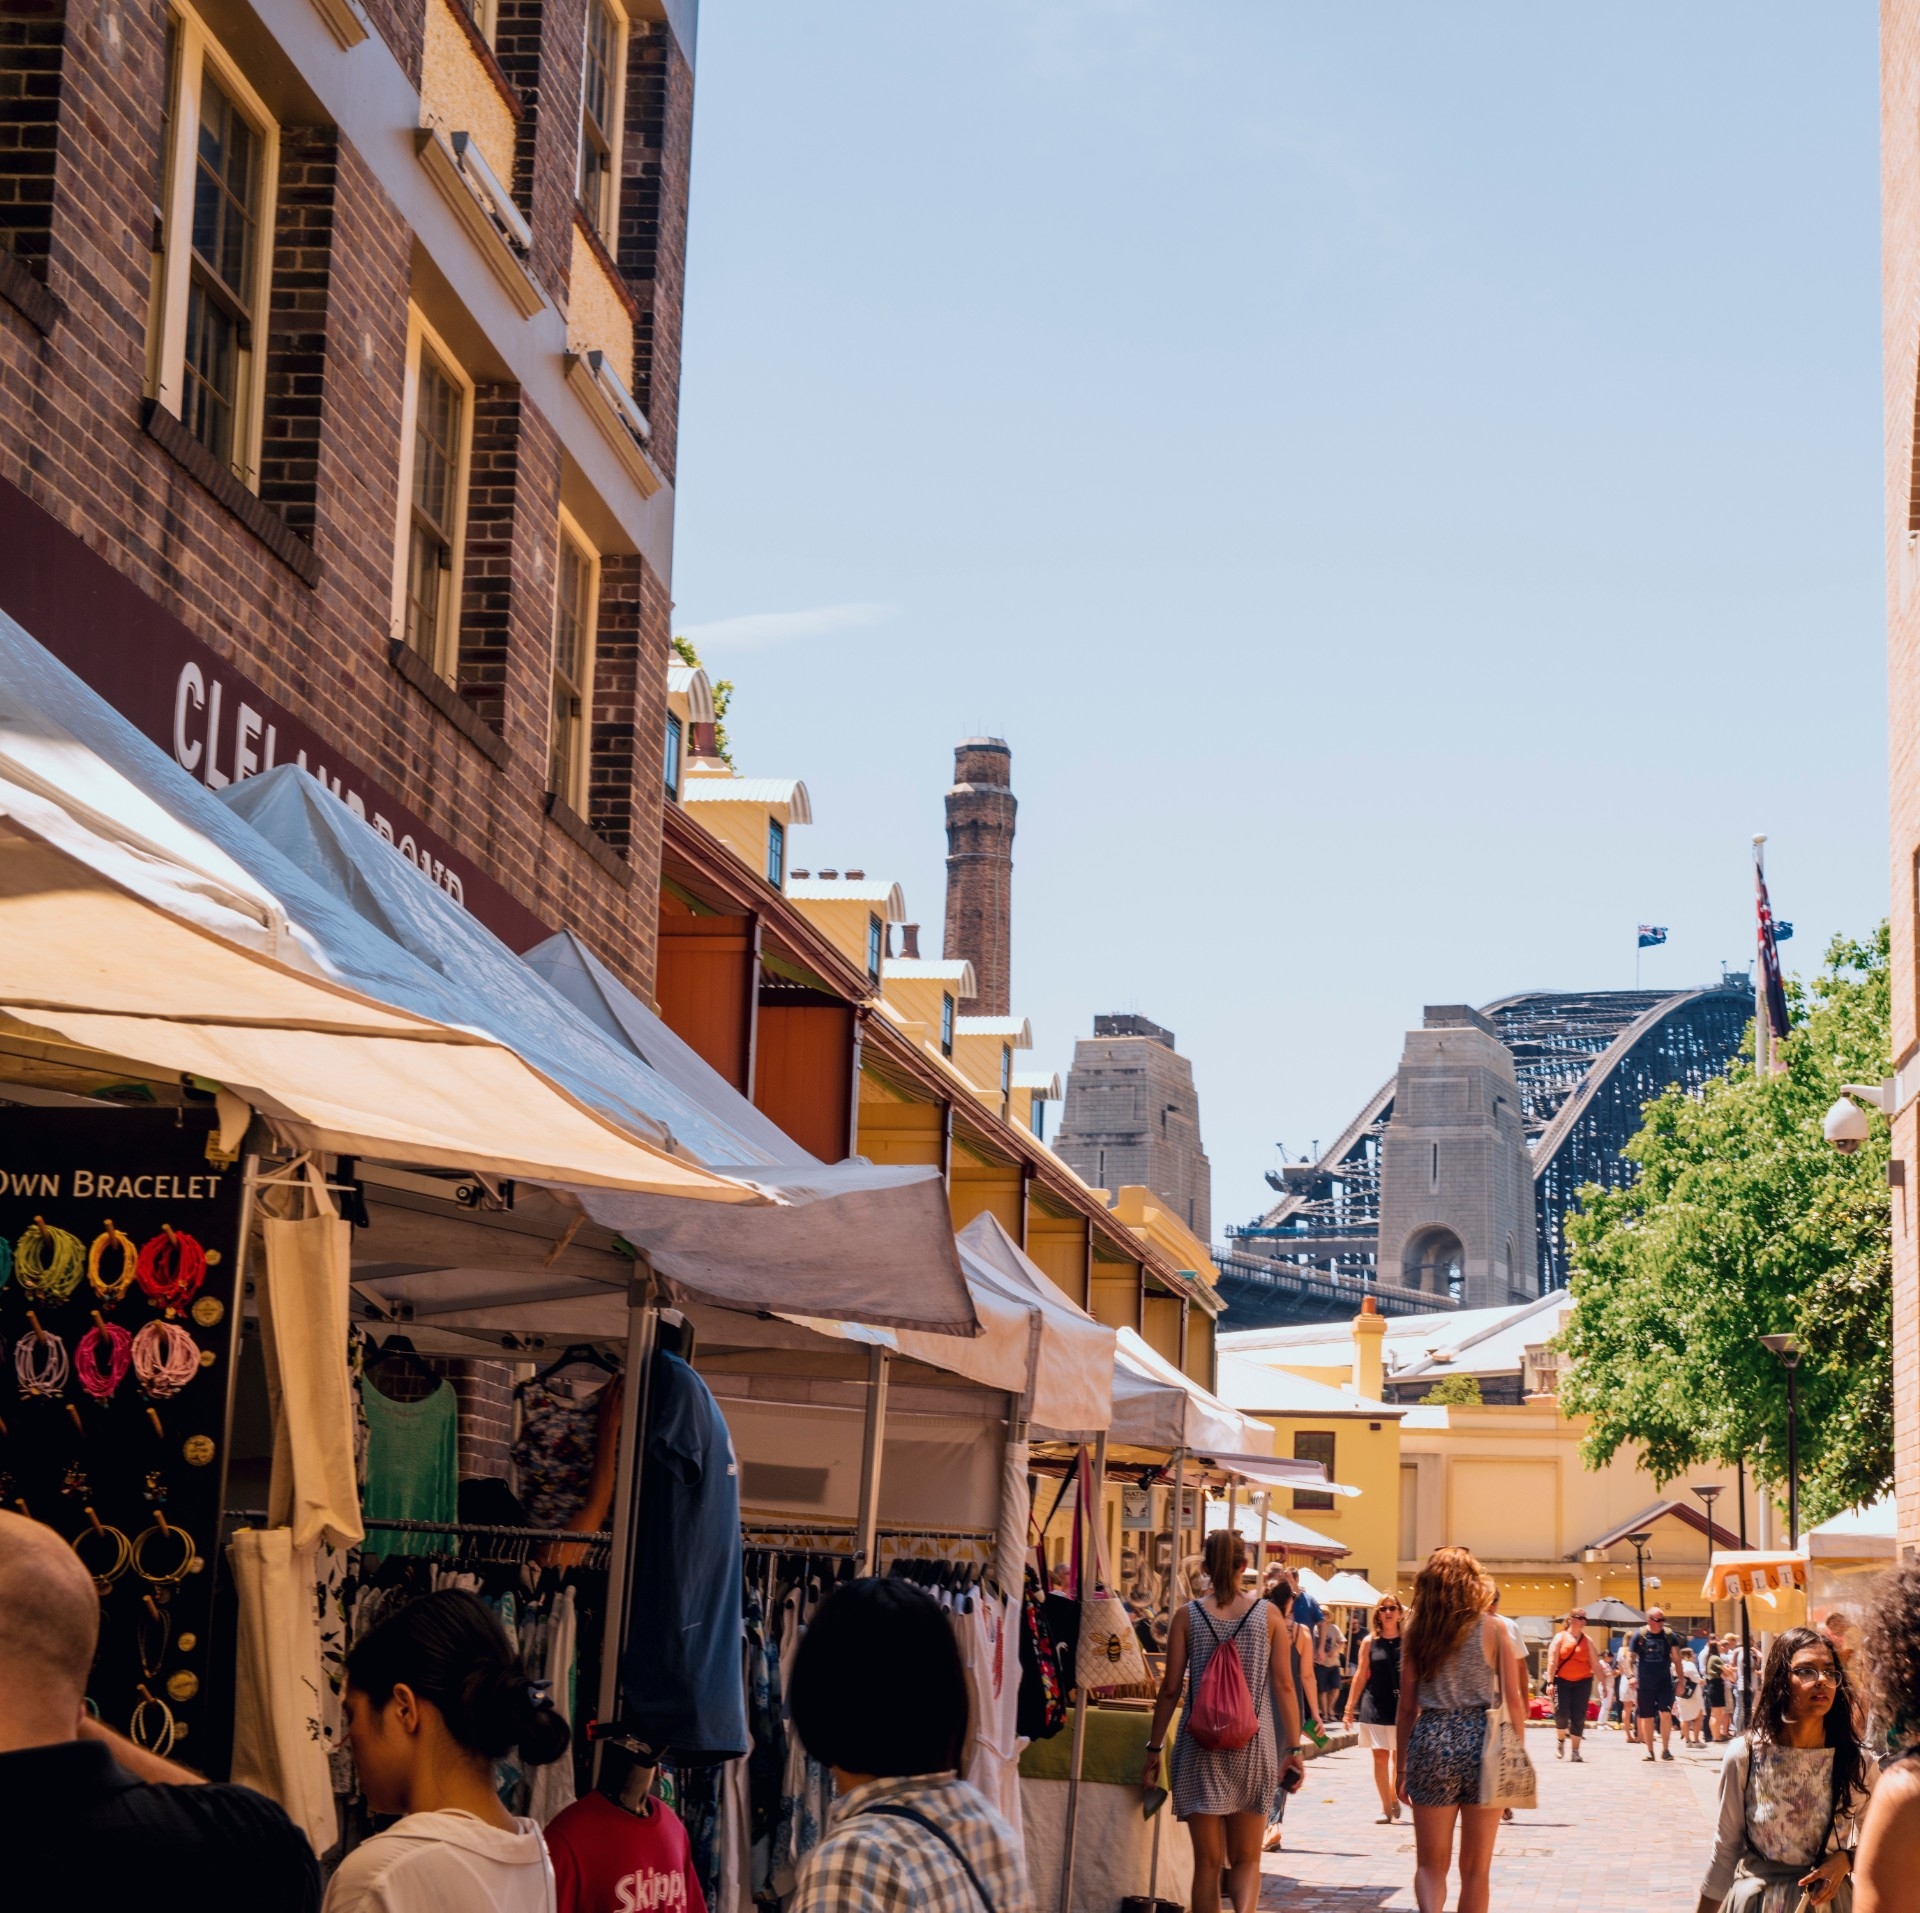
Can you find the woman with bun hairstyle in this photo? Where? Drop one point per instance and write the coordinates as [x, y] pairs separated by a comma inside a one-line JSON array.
[[1223, 1794], [435, 1695]]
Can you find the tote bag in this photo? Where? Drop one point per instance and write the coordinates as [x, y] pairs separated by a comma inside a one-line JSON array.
[[1109, 1653], [1507, 1778]]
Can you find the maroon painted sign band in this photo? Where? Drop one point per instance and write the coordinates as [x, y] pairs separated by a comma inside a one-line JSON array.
[[205, 713]]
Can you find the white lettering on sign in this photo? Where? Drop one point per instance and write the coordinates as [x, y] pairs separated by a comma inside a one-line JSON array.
[[30, 1182], [103, 1184], [197, 746]]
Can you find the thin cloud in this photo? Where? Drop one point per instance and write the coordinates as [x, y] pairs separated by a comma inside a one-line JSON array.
[[761, 629]]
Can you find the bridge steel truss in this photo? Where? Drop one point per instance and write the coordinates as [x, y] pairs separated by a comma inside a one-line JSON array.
[[1587, 1062]]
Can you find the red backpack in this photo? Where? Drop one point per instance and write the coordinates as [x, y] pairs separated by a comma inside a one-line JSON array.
[[1222, 1717]]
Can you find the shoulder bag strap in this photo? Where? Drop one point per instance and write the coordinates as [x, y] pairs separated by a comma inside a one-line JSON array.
[[892, 1810]]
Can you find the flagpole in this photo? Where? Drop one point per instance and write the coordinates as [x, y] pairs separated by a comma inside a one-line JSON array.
[[1762, 1025]]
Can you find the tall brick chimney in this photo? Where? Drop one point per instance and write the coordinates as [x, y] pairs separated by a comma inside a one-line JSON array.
[[980, 810]]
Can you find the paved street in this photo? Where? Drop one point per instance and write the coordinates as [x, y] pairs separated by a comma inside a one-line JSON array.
[[1610, 1836]]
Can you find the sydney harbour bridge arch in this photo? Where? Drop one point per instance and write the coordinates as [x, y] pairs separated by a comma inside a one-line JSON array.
[[1583, 1066]]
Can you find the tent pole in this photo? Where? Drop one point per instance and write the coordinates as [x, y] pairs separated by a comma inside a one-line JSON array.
[[643, 1320], [1179, 1508], [1266, 1527], [1233, 1510], [872, 1452], [1092, 1513]]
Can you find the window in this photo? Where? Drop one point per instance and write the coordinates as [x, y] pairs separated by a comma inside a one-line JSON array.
[[876, 945], [946, 1026], [1006, 1069], [575, 600], [1312, 1445], [212, 249], [670, 771], [436, 432], [776, 852], [602, 84]]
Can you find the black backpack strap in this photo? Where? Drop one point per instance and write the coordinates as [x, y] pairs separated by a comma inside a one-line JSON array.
[[893, 1810]]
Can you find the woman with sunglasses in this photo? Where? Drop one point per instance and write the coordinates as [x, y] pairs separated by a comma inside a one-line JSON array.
[[1791, 1789], [1571, 1667], [1374, 1700]]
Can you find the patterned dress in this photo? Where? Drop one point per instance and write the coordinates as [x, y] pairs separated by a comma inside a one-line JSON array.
[[1218, 1779]]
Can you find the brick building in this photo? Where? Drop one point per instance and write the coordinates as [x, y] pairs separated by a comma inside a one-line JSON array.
[[1900, 268], [339, 363], [1132, 1117]]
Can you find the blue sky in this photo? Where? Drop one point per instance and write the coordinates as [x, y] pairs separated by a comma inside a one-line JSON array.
[[1404, 480]]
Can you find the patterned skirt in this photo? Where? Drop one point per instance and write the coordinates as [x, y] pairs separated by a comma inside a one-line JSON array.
[[1443, 1756]]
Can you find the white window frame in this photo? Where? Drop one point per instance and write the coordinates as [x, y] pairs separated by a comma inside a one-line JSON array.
[[421, 334], [167, 351], [575, 795], [617, 133]]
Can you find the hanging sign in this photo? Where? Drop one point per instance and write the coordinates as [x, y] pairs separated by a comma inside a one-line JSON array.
[[119, 1255]]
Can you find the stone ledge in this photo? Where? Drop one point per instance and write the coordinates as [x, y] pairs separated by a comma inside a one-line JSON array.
[[576, 827], [447, 701], [260, 518], [20, 289]]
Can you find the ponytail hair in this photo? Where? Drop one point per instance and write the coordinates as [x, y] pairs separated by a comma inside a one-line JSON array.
[[449, 1649], [1226, 1555]]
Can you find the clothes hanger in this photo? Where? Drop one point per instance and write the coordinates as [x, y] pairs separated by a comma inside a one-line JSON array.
[[400, 1348], [572, 1357]]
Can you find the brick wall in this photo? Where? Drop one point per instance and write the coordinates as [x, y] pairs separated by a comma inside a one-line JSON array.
[[309, 618], [652, 249], [1900, 267]]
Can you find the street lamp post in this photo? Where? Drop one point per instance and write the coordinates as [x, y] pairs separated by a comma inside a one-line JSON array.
[[1709, 1494], [1788, 1351], [1746, 1635], [1638, 1543]]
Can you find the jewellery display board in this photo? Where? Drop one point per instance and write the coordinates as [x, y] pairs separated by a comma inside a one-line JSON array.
[[119, 1263]]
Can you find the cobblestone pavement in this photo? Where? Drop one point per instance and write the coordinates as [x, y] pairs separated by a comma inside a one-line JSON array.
[[1612, 1835]]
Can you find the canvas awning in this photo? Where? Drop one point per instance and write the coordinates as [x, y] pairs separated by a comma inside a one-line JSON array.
[[1275, 1471], [1064, 1356], [129, 929], [1156, 1406], [1279, 1531]]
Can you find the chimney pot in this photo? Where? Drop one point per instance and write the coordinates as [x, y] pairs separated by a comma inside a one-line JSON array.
[[856, 876], [832, 876], [910, 942], [802, 873]]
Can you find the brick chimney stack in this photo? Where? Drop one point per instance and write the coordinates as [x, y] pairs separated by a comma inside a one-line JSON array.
[[980, 811]]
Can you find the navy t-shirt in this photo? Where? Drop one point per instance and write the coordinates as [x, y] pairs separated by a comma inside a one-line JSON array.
[[682, 1674], [1653, 1654]]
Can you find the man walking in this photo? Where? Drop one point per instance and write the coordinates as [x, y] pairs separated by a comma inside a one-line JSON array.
[[1656, 1656], [1571, 1667]]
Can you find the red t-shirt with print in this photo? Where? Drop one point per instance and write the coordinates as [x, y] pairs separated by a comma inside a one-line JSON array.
[[607, 1860]]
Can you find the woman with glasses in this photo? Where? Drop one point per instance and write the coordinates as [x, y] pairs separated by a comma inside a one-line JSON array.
[[1791, 1789], [1374, 1700], [1571, 1667]]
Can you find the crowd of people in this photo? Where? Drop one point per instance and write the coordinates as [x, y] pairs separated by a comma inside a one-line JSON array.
[[1819, 1788]]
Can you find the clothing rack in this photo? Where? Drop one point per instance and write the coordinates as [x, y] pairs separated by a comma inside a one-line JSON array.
[[492, 1544]]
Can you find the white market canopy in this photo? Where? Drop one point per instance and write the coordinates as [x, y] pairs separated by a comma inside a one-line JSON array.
[[1156, 1406], [1278, 1532], [322, 980]]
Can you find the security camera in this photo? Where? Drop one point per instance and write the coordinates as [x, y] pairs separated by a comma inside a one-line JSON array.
[[1845, 1126]]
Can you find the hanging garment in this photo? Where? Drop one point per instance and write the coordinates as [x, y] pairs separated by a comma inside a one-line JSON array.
[[552, 1789], [796, 1827], [682, 1672], [993, 1672], [766, 1763], [734, 1894], [411, 1467], [303, 1337], [553, 1454], [278, 1744]]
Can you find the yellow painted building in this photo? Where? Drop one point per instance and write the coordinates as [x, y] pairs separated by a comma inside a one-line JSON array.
[[1504, 1478]]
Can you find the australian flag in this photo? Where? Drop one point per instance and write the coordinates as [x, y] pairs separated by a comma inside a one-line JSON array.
[[1772, 989], [1652, 934]]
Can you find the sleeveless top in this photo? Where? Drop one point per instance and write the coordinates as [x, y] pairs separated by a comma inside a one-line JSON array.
[[1464, 1679]]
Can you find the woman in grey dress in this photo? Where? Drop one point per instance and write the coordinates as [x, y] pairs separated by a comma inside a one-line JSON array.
[[1223, 1793]]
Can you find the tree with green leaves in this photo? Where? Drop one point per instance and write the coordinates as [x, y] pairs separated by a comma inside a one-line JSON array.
[[1454, 1391], [1745, 1222]]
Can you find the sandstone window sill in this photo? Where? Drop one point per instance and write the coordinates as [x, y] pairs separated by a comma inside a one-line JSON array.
[[572, 825], [260, 518], [448, 702], [27, 296]]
